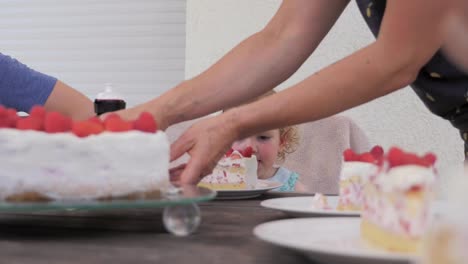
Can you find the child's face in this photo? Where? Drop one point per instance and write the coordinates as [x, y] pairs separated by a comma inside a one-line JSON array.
[[265, 146]]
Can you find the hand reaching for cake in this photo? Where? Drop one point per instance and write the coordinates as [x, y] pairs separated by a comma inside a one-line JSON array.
[[174, 173], [205, 142]]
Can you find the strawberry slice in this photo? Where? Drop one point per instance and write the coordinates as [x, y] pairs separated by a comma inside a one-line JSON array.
[[145, 123], [349, 155], [55, 122], [367, 157], [229, 152], [38, 111], [117, 125], [430, 158], [12, 118], [377, 151], [96, 120], [29, 123], [247, 152], [395, 157], [4, 121], [86, 128]]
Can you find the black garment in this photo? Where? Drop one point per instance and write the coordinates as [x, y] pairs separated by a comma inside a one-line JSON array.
[[440, 84]]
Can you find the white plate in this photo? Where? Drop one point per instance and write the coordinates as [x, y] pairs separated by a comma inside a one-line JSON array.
[[262, 187], [328, 239], [302, 206]]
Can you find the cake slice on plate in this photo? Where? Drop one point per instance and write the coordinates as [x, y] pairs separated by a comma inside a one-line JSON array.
[[356, 171], [397, 202], [237, 170]]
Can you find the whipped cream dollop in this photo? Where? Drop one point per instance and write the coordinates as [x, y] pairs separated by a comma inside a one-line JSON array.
[[224, 174], [357, 168], [406, 177]]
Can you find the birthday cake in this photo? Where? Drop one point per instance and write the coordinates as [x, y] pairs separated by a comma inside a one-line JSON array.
[[48, 156]]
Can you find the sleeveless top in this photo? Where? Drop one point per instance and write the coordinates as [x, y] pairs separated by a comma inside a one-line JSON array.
[[440, 84], [287, 178]]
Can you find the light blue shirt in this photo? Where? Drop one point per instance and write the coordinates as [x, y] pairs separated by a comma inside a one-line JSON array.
[[287, 178]]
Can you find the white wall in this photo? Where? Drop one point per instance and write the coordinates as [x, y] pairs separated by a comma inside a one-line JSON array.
[[215, 26], [138, 45]]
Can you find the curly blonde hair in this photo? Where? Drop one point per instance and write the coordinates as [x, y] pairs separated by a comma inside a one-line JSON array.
[[289, 136]]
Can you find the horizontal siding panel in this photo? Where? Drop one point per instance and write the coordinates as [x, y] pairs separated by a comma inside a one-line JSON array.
[[51, 8], [80, 43], [87, 54], [139, 46], [118, 65], [117, 77], [87, 20], [159, 32]]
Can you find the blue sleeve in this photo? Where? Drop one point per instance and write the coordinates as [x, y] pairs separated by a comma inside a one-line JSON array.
[[22, 87], [287, 177], [290, 185]]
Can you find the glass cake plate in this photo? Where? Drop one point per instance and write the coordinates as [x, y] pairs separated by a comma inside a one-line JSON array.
[[182, 195], [180, 212]]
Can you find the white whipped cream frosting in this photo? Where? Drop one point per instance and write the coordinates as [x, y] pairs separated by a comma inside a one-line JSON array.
[[63, 166], [357, 168], [406, 176], [221, 173]]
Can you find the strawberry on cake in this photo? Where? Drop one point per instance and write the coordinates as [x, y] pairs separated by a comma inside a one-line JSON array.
[[237, 170], [397, 201], [48, 156], [356, 171]]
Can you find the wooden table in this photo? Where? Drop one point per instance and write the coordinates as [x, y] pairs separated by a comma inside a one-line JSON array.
[[137, 236]]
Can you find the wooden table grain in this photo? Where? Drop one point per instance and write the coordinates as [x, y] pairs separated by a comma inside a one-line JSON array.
[[137, 236]]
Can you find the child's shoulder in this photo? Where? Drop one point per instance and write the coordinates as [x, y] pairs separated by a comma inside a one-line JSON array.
[[287, 177]]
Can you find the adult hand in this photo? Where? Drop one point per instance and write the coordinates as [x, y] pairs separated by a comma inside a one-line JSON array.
[[206, 142], [174, 173]]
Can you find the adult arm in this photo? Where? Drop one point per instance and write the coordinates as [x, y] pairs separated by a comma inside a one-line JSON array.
[[256, 65], [68, 101], [410, 34], [22, 87]]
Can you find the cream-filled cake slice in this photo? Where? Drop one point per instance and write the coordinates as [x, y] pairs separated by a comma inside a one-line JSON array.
[[397, 203], [355, 172], [235, 171]]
